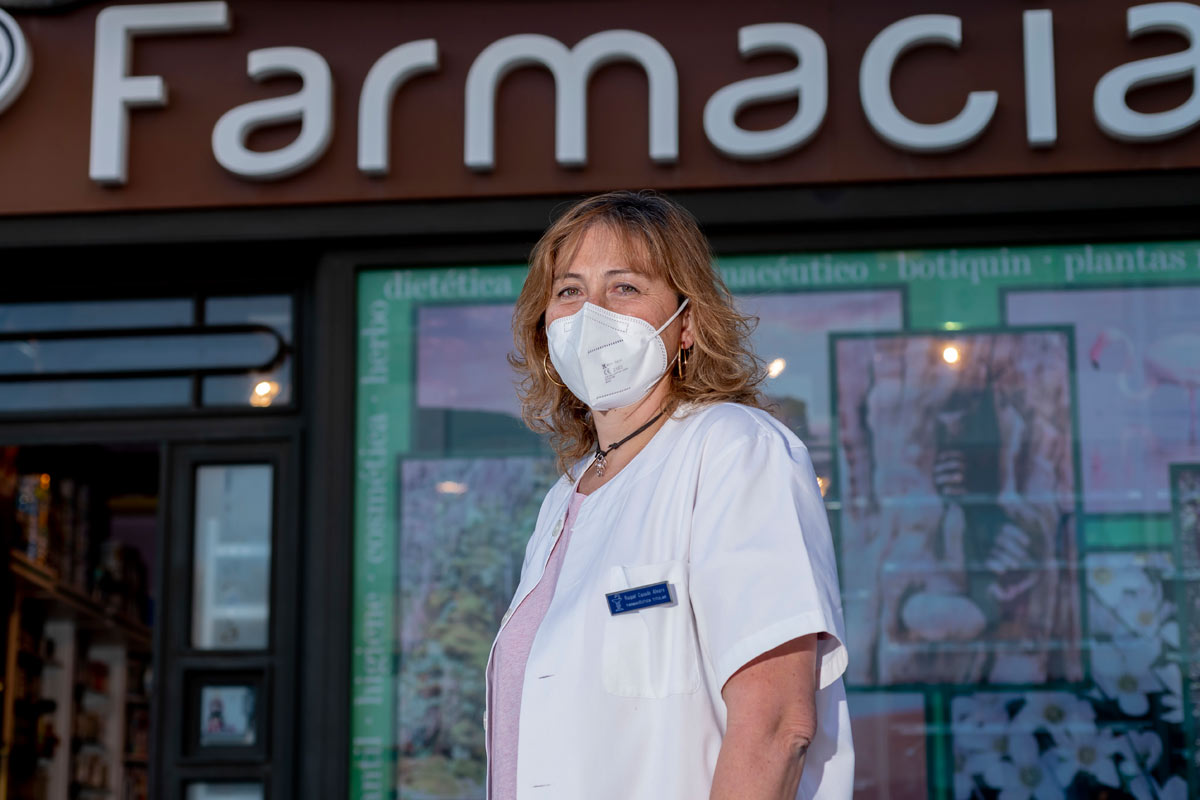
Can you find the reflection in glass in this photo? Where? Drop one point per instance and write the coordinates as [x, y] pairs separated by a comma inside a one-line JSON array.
[[460, 543], [121, 354], [1011, 464], [95, 314], [225, 791], [792, 337], [96, 350], [274, 311], [231, 582], [1137, 356], [965, 553], [243, 390], [891, 727], [123, 393]]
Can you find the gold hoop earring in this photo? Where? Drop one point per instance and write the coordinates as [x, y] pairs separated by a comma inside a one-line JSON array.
[[546, 369], [681, 363]]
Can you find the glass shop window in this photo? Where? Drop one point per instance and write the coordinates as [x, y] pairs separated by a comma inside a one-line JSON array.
[[1007, 440], [232, 559], [165, 353]]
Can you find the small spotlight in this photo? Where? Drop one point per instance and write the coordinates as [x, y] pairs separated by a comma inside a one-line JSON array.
[[264, 393], [823, 484], [451, 487], [951, 355], [776, 367]]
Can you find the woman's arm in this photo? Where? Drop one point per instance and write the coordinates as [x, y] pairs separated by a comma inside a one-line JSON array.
[[771, 721]]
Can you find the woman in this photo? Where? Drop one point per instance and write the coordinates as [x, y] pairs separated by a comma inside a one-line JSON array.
[[677, 629]]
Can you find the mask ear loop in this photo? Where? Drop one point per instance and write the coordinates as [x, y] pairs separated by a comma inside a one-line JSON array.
[[546, 369], [671, 319]]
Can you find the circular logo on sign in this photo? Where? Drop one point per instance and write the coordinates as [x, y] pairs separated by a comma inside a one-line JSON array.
[[15, 62]]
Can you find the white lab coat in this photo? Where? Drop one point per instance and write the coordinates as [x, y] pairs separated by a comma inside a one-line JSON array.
[[722, 504]]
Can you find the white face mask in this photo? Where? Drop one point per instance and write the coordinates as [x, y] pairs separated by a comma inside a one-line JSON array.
[[608, 360]]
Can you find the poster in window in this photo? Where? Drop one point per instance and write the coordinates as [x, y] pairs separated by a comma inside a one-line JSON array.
[[463, 526], [957, 484], [1137, 352], [1120, 734], [1185, 489], [792, 339], [470, 417]]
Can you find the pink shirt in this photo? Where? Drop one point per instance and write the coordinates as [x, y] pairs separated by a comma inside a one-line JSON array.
[[508, 666]]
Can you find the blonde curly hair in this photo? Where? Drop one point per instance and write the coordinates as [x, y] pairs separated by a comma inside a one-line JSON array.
[[661, 239]]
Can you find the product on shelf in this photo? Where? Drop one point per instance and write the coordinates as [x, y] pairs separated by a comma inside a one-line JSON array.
[[33, 516], [137, 739], [91, 771], [33, 737], [120, 581], [77, 576], [88, 727], [94, 677], [137, 784], [47, 738]]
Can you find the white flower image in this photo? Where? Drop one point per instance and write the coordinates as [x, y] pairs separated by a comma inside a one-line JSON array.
[[1147, 615], [1025, 775], [1172, 700], [1090, 752], [979, 721], [1122, 673], [969, 765], [1055, 713], [1126, 596], [1149, 789], [1141, 749], [979, 725], [1111, 575], [1104, 622]]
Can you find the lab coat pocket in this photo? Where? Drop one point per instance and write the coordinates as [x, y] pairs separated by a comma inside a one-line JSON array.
[[650, 652]]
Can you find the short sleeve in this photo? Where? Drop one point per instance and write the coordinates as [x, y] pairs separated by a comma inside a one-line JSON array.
[[762, 566]]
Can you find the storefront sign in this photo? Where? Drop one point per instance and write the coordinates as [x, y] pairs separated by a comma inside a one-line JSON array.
[[408, 100], [15, 62]]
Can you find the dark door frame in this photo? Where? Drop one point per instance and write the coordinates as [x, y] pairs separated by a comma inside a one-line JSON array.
[[271, 669]]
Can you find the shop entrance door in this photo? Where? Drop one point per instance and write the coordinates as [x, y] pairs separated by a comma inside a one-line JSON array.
[[228, 636]]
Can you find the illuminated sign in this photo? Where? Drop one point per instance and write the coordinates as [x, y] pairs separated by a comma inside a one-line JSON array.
[[115, 91]]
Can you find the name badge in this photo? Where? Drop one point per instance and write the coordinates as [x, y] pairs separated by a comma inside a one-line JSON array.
[[652, 594]]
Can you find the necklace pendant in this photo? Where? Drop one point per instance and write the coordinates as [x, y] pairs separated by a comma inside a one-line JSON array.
[[600, 465]]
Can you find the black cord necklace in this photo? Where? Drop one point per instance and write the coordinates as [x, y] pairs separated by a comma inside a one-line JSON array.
[[602, 455]]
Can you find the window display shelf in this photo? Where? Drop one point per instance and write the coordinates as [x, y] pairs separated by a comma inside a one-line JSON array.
[[65, 601]]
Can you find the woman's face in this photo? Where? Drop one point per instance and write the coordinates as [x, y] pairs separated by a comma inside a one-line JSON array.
[[599, 274]]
